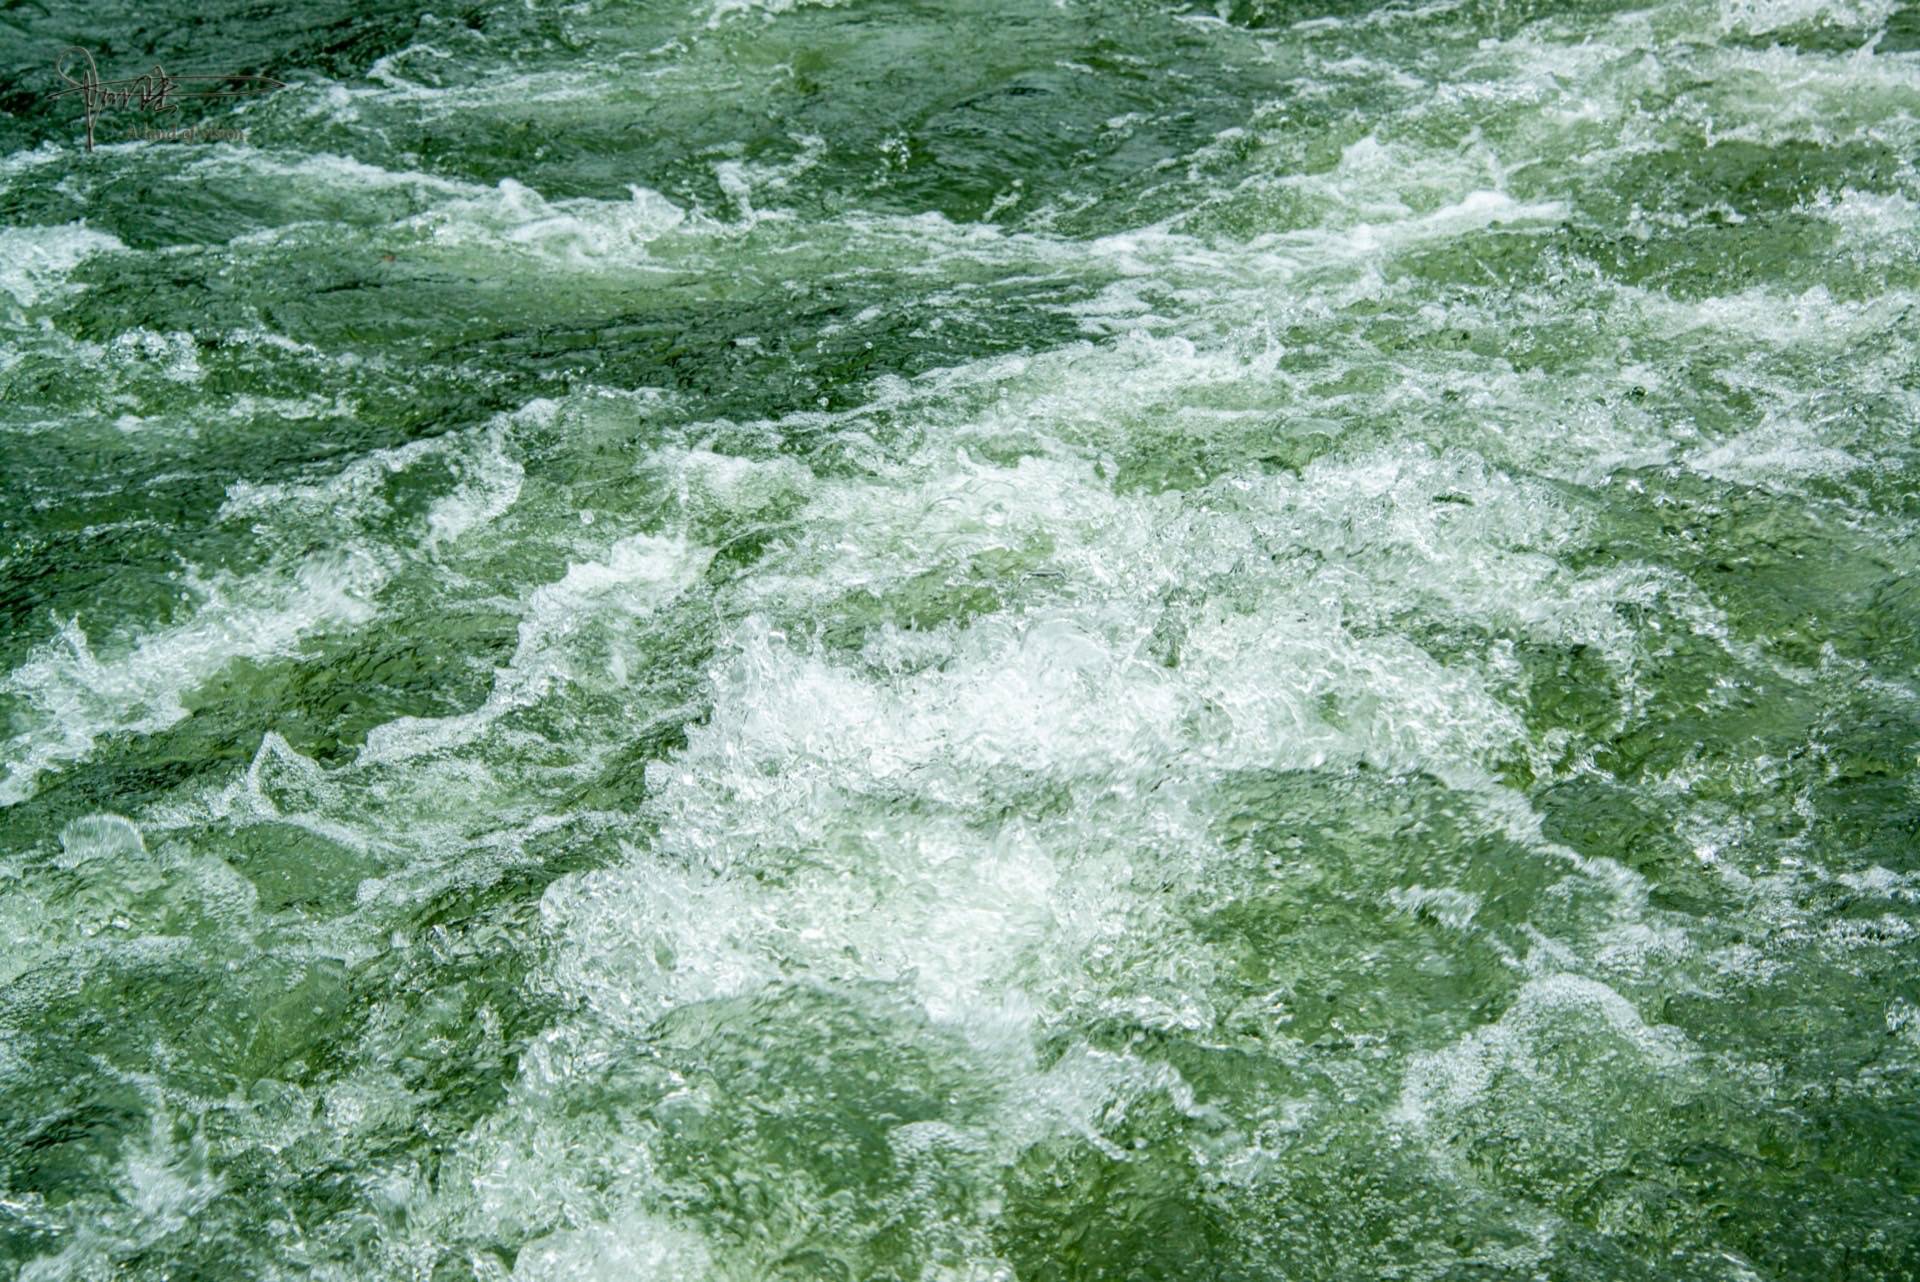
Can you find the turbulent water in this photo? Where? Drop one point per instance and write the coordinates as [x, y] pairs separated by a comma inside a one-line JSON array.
[[1022, 640]]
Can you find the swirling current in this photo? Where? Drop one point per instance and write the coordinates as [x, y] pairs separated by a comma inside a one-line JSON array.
[[994, 641]]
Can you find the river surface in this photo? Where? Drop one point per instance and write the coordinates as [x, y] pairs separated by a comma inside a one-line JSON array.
[[1009, 641]]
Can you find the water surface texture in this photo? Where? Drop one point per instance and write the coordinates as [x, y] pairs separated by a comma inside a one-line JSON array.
[[1009, 641]]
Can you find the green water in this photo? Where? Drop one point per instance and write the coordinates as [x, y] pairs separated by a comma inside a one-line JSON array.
[[1044, 640]]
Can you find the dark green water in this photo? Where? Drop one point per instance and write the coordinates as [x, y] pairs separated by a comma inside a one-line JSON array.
[[1073, 639]]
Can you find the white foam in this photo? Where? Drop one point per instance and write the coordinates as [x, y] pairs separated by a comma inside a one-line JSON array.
[[35, 262], [630, 1247], [1454, 1080], [1762, 17], [721, 11], [580, 233], [489, 485], [638, 574], [77, 698]]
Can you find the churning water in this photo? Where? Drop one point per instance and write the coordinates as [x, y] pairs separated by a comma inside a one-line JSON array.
[[1022, 639]]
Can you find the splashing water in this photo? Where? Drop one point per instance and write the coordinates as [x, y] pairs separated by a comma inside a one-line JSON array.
[[1085, 640]]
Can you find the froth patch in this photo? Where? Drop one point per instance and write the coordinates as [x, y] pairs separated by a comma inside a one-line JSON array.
[[77, 697], [1569, 1068], [573, 631], [580, 233], [36, 261]]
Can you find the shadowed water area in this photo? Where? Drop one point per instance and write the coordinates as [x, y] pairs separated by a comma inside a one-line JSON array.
[[1009, 641]]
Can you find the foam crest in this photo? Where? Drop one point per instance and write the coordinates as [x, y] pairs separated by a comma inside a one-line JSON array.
[[76, 696], [581, 234], [572, 631], [36, 261], [1445, 1085]]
